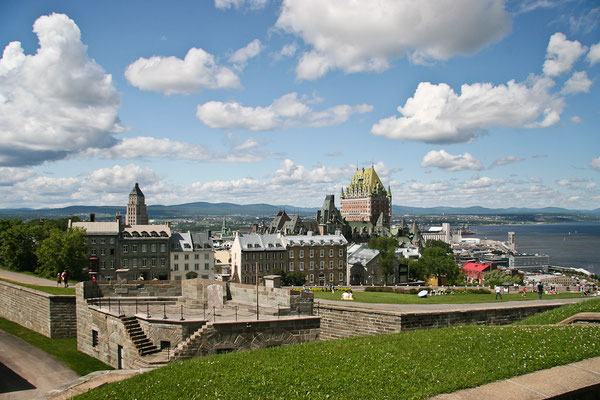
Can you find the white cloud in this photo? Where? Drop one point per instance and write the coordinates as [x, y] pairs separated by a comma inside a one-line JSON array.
[[119, 178], [288, 50], [576, 119], [237, 4], [595, 163], [364, 36], [436, 114], [169, 75], [561, 54], [506, 160], [577, 83], [240, 57], [590, 186], [483, 182], [442, 159], [9, 176], [587, 23], [594, 55], [285, 112], [55, 102]]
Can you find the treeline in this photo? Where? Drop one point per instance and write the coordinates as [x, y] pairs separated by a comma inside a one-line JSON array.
[[44, 247]]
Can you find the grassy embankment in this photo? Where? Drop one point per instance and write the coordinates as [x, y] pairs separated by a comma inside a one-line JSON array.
[[459, 298], [59, 290], [63, 349], [407, 365], [561, 313]]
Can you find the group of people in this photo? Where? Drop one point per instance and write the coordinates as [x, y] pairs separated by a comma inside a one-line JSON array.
[[62, 277]]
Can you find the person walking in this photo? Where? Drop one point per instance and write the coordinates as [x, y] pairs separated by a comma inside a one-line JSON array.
[[65, 278], [58, 279], [540, 289], [498, 292]]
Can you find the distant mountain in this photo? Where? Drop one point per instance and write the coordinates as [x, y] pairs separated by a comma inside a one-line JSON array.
[[197, 209]]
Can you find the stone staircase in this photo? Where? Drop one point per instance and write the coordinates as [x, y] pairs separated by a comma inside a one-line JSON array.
[[141, 342], [188, 348]]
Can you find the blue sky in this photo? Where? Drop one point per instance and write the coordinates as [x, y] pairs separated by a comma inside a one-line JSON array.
[[455, 102]]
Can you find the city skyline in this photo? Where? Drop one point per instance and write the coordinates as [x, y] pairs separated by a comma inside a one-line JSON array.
[[455, 103]]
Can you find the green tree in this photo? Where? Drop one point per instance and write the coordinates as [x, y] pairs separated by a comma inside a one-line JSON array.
[[387, 254], [440, 244], [436, 262], [62, 251], [18, 244], [497, 277]]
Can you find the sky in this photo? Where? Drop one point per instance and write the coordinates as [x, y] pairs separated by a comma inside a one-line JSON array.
[[453, 102]]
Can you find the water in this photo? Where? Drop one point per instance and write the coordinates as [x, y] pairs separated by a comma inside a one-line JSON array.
[[573, 244]]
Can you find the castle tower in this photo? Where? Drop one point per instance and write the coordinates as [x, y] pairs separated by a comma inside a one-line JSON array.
[[136, 208], [365, 199]]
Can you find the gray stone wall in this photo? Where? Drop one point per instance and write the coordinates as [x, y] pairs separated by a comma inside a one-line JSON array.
[[50, 315], [267, 297], [133, 289], [341, 322]]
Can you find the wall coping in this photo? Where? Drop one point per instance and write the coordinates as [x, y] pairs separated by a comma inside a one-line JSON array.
[[37, 292]]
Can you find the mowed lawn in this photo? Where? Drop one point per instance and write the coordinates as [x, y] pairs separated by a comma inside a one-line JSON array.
[[458, 298]]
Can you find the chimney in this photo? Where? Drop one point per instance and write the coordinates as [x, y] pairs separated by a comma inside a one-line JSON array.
[[92, 217]]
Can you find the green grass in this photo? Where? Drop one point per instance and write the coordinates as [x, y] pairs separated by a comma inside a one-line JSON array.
[[459, 298], [561, 313], [408, 365], [46, 289], [63, 349]]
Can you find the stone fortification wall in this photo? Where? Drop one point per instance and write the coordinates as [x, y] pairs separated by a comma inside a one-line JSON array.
[[50, 315], [341, 322], [267, 297], [133, 289], [221, 337]]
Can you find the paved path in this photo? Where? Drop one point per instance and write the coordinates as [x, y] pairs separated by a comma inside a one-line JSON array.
[[412, 308], [27, 372], [24, 278]]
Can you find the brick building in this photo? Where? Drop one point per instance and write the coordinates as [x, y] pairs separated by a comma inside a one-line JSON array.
[[367, 200]]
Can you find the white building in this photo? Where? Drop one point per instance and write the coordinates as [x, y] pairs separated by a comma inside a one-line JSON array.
[[192, 256]]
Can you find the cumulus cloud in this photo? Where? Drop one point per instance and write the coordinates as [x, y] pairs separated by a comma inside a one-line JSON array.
[[286, 112], [436, 114], [483, 182], [594, 55], [10, 176], [577, 83], [240, 57], [364, 36], [595, 163], [119, 178], [506, 160], [561, 54], [169, 75], [144, 147], [56, 101], [238, 4], [444, 160]]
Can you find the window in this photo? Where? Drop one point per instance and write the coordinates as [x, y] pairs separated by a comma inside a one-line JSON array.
[[153, 262], [311, 278], [312, 265], [144, 248], [93, 252], [341, 252], [331, 277], [246, 279], [163, 262], [153, 247], [341, 277], [175, 267], [175, 256], [291, 253], [196, 266], [186, 256], [268, 256], [102, 241], [134, 247], [312, 253], [267, 267], [112, 240], [253, 267], [124, 248], [112, 252], [291, 265], [341, 264], [196, 256], [260, 267], [331, 264], [260, 256], [246, 267], [186, 266], [112, 264], [246, 256], [206, 265], [330, 252], [144, 262], [322, 265], [102, 252], [125, 262], [102, 265], [163, 248], [301, 266], [94, 338], [206, 256], [254, 256], [301, 254], [93, 241], [322, 253]]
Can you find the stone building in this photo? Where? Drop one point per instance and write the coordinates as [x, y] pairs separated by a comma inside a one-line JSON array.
[[321, 258], [366, 199], [136, 207], [192, 256]]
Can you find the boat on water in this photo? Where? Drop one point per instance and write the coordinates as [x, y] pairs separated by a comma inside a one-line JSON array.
[[465, 231]]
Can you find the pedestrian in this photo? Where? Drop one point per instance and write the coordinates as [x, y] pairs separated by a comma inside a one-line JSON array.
[[58, 279], [540, 289], [524, 291], [498, 292], [65, 278]]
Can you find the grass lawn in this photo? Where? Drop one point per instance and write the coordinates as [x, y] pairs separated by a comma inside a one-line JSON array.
[[46, 289], [459, 298], [416, 365], [63, 349], [561, 313]]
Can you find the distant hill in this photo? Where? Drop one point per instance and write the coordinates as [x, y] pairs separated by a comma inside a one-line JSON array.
[[197, 209]]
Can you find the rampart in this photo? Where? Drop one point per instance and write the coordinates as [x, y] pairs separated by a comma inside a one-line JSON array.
[[50, 315]]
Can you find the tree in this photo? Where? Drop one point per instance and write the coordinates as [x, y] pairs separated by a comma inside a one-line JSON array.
[[18, 245], [295, 278], [436, 262], [387, 254], [440, 244], [62, 251], [498, 278]]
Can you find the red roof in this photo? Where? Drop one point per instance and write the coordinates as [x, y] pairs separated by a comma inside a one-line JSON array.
[[479, 267]]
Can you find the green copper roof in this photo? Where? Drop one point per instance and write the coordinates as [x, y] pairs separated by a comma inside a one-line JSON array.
[[367, 180]]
